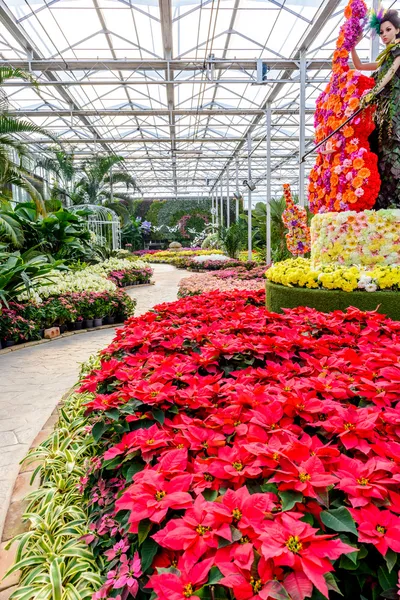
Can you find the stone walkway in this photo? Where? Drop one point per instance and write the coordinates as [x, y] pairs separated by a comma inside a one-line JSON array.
[[33, 380]]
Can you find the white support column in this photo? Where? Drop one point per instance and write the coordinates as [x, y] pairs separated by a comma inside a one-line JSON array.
[[302, 125], [249, 211], [216, 206], [237, 189], [228, 203], [374, 42], [212, 212], [221, 201], [268, 207]]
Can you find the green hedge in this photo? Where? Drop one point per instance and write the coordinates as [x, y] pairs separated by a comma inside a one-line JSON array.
[[280, 296]]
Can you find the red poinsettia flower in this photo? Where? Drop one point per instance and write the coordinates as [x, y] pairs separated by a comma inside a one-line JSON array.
[[182, 584], [364, 481], [308, 477], [235, 464], [293, 543], [249, 585], [195, 533], [151, 496], [354, 426], [379, 527], [148, 441]]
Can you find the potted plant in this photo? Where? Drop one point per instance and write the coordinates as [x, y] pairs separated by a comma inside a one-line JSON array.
[[99, 308], [84, 304]]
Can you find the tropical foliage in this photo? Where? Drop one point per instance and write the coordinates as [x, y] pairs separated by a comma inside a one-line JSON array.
[[92, 183], [13, 152], [54, 560], [21, 273]]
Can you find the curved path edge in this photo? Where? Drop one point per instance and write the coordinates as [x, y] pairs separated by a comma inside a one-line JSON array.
[[33, 382], [13, 523]]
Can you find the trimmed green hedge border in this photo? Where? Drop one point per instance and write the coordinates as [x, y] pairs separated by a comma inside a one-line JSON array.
[[279, 297]]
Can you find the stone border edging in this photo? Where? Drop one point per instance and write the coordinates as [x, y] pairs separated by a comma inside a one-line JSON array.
[[13, 524], [63, 335], [69, 333]]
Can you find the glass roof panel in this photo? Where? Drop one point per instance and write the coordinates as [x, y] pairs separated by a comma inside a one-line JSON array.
[[92, 43]]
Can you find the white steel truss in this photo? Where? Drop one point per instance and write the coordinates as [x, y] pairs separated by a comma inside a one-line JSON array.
[[174, 86]]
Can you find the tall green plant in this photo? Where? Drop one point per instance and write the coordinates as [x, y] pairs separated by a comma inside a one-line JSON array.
[[233, 238], [279, 250], [22, 273], [97, 185], [12, 172]]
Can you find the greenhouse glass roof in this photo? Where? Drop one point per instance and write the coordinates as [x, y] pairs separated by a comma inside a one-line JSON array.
[[174, 86]]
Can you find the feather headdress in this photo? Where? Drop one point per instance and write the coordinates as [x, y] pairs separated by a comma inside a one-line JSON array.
[[375, 19]]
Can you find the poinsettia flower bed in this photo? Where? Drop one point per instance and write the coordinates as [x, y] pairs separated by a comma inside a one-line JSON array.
[[246, 454], [236, 278]]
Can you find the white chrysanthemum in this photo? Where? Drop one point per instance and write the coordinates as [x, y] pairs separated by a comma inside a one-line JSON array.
[[206, 258]]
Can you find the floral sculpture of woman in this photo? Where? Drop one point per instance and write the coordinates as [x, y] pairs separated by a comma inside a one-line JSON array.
[[345, 175], [387, 116]]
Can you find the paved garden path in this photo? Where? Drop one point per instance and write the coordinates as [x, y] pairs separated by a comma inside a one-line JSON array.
[[33, 380]]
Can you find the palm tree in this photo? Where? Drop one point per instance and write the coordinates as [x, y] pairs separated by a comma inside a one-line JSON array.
[[97, 185], [12, 152], [92, 184], [10, 229], [62, 165]]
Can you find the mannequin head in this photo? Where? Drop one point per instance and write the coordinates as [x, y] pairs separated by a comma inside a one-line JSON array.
[[390, 27]]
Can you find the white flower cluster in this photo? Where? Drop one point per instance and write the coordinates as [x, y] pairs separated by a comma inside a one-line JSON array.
[[116, 264], [367, 283], [205, 258], [71, 281]]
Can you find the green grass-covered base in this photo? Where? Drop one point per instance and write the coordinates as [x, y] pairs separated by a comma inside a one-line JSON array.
[[280, 296]]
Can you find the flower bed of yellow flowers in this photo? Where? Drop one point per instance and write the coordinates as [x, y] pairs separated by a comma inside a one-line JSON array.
[[301, 272], [173, 257]]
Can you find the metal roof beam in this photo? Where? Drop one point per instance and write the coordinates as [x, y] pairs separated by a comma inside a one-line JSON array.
[[151, 112], [8, 20], [155, 140], [324, 13], [276, 64]]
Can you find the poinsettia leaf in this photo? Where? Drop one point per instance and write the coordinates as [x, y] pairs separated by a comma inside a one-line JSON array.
[[214, 576], [147, 553], [141, 424], [339, 519], [289, 499], [143, 530], [113, 414], [391, 594], [308, 518], [113, 463], [219, 593], [236, 534], [274, 589], [98, 430], [346, 563], [386, 580], [269, 487], [210, 495], [298, 585], [159, 415], [391, 559], [131, 469], [332, 583], [122, 516], [353, 556]]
